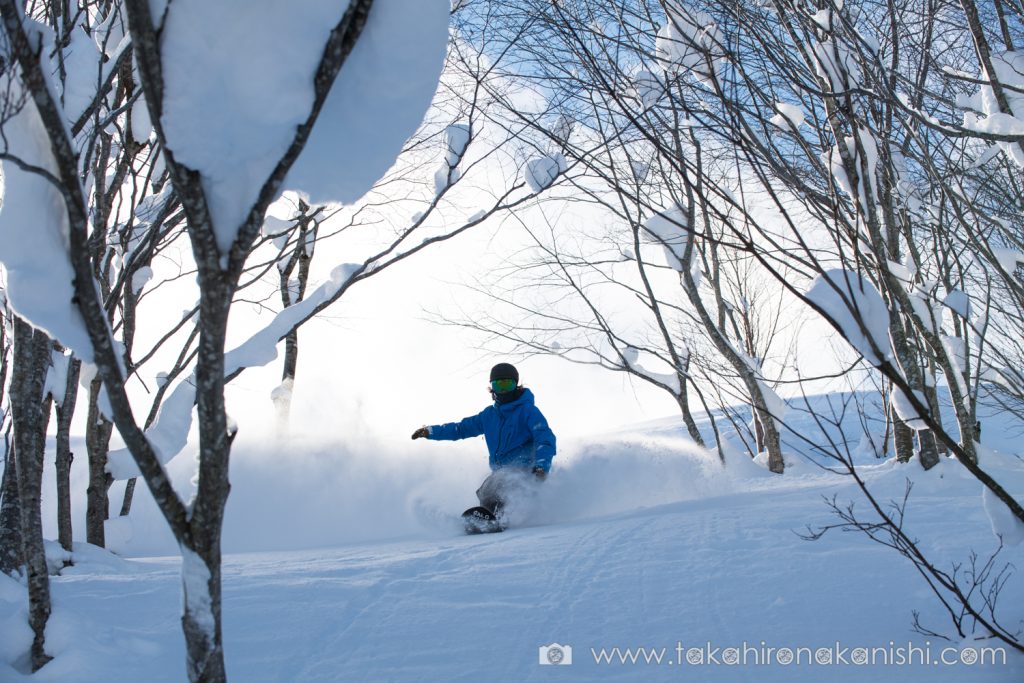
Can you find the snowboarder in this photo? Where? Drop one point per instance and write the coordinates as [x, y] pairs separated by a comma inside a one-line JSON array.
[[520, 443]]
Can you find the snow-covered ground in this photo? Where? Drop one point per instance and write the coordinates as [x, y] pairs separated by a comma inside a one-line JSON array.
[[638, 539]]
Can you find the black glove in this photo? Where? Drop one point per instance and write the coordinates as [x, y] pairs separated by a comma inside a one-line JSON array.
[[421, 433], [540, 473]]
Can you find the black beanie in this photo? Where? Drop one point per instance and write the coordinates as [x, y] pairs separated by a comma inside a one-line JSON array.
[[504, 371]]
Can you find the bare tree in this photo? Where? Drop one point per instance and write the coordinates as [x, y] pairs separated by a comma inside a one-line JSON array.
[[197, 529], [837, 167], [65, 408], [28, 376], [11, 555], [644, 170], [851, 151], [223, 270], [293, 272]]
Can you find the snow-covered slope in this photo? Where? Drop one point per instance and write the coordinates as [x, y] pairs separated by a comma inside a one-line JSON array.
[[712, 563]]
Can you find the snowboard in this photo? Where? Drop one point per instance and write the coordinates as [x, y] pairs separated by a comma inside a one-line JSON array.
[[480, 520]]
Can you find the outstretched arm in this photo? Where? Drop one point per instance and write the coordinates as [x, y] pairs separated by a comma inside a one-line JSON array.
[[453, 431]]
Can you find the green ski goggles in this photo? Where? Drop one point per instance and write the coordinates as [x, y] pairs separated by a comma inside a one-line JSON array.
[[501, 386]]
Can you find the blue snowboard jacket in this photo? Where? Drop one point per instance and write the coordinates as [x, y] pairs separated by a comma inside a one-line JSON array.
[[517, 434]]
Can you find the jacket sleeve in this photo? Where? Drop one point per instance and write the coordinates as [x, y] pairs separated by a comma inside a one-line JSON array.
[[463, 429], [543, 437]]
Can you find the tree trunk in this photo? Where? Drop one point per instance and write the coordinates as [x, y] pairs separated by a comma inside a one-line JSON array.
[[65, 411], [201, 620], [31, 356], [908, 359], [717, 332], [301, 258], [928, 447], [11, 552], [772, 439], [691, 424], [931, 395], [902, 438], [97, 441], [761, 413], [201, 564], [758, 431], [683, 399], [129, 494], [11, 557]]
